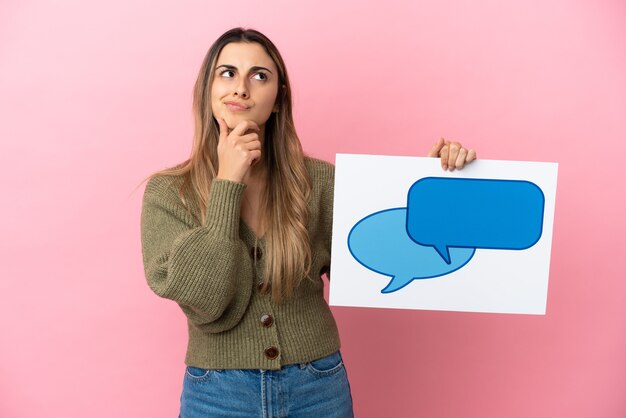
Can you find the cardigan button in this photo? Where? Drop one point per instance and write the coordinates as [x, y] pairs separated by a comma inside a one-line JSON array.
[[256, 253], [267, 320], [271, 353]]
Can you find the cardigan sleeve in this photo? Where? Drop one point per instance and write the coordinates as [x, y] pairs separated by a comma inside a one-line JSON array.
[[329, 204], [324, 188], [201, 267]]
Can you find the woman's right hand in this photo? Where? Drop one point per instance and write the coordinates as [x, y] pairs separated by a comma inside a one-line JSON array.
[[237, 150]]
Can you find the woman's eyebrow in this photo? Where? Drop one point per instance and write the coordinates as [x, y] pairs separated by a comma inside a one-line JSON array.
[[232, 67]]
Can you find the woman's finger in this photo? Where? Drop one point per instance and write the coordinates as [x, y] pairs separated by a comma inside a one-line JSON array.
[[471, 156], [460, 160], [255, 155], [253, 136], [453, 154], [434, 150], [444, 156], [244, 126], [252, 145]]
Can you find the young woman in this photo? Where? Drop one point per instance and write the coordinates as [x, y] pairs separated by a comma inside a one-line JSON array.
[[239, 236]]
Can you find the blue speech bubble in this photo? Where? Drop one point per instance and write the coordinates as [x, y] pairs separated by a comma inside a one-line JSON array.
[[380, 243], [474, 213]]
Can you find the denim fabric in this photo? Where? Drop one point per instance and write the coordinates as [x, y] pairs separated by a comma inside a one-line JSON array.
[[318, 389]]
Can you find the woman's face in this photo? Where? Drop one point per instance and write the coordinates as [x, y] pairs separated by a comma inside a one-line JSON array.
[[246, 75]]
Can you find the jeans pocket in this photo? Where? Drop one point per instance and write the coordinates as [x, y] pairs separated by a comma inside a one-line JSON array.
[[197, 374], [326, 366]]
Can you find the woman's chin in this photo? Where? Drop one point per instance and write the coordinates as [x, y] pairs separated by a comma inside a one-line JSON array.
[[234, 119]]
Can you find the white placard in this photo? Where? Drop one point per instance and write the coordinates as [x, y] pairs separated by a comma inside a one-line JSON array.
[[369, 246]]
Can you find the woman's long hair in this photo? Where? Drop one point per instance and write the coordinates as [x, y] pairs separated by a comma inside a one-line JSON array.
[[284, 205]]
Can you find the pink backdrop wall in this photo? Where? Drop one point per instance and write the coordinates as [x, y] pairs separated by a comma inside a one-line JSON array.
[[95, 96]]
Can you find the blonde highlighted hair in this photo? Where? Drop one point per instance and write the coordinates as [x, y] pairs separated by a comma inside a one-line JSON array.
[[284, 205]]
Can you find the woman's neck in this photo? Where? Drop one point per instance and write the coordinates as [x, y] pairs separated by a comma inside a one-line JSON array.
[[257, 174]]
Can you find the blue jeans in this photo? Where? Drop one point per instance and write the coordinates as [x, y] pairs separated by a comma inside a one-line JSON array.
[[318, 389]]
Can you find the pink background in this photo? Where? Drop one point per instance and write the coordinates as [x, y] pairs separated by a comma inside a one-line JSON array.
[[93, 97]]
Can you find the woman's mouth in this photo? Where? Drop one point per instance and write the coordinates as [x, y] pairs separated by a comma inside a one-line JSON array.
[[236, 106]]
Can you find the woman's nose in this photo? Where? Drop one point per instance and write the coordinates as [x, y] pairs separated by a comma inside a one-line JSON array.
[[241, 89]]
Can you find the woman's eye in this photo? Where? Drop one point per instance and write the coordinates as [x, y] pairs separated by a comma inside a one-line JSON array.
[[262, 76]]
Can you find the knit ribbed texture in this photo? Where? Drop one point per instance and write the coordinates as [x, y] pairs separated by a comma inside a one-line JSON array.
[[209, 271]]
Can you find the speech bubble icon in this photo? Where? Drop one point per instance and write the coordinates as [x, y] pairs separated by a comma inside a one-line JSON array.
[[380, 243], [474, 213]]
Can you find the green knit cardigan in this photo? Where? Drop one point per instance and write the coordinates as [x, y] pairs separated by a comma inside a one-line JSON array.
[[213, 271]]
